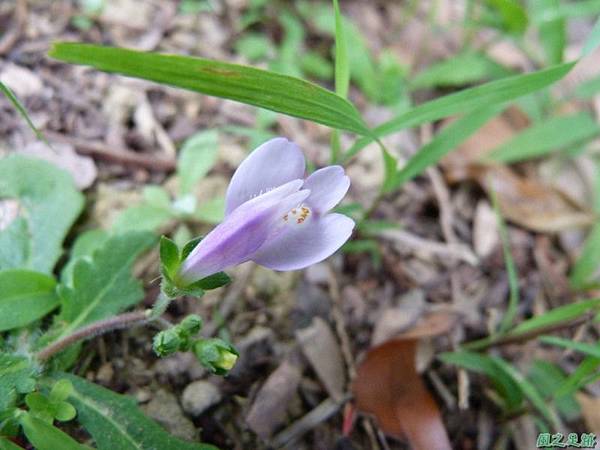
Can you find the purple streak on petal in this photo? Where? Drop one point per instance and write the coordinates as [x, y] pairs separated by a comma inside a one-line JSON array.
[[301, 246], [244, 231], [272, 164], [328, 186]]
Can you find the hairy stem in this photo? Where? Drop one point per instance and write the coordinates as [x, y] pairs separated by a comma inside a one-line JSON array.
[[94, 329]]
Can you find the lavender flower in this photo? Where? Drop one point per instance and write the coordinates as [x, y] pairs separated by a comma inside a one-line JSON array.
[[273, 216]]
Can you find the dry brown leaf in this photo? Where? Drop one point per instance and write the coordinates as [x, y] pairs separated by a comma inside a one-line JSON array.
[[531, 204], [590, 410], [269, 407], [525, 201], [323, 352], [388, 386]]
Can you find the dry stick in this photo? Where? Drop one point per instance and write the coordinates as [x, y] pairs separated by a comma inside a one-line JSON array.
[[94, 329], [120, 156]]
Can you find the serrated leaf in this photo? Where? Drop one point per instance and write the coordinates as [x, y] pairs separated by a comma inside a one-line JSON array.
[[25, 296], [102, 286], [84, 247], [265, 89], [197, 156], [48, 205], [116, 423], [16, 374], [45, 436], [539, 139], [494, 92]]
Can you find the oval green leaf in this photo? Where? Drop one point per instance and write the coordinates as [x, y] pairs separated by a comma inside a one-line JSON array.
[[25, 296]]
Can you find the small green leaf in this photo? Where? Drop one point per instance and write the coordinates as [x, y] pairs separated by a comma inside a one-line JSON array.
[[557, 315], [61, 390], [281, 93], [47, 206], [211, 211], [579, 378], [514, 16], [84, 247], [142, 217], [197, 156], [214, 281], [116, 423], [64, 412], [191, 245], [25, 297], [45, 436], [169, 257], [582, 347], [156, 196], [539, 139]]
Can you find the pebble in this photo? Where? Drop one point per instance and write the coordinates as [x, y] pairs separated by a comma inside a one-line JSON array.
[[199, 396]]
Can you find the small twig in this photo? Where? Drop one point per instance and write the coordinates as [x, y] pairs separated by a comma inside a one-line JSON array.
[[120, 156], [340, 326], [322, 412], [94, 329], [231, 298]]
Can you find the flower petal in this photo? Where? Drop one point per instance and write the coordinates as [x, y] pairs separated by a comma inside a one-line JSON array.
[[244, 231], [300, 247], [328, 186], [272, 164]]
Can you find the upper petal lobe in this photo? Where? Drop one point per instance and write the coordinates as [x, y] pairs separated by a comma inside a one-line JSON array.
[[328, 186], [272, 164]]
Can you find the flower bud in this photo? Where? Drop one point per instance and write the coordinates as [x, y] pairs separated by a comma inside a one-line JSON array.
[[216, 355], [191, 325], [166, 342]]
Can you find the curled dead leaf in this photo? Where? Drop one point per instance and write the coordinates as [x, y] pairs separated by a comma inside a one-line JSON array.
[[531, 204], [388, 386]]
